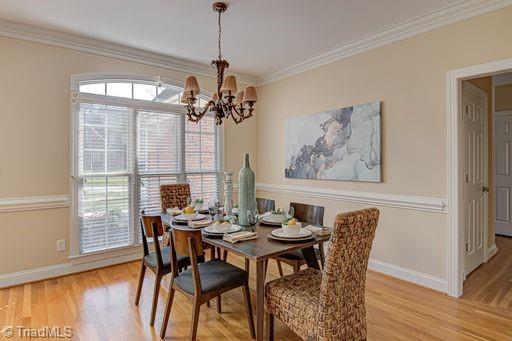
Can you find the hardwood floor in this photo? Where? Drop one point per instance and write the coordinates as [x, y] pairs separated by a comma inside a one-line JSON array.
[[491, 283], [99, 306]]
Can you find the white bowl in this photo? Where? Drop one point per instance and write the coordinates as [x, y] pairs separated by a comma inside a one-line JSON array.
[[190, 216], [292, 230], [276, 217]]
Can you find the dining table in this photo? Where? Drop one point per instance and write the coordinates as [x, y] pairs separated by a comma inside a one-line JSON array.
[[260, 250]]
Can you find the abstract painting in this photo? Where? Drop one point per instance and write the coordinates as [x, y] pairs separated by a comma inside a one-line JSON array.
[[340, 144]]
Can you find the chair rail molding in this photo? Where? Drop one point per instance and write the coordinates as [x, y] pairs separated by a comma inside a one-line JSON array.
[[418, 203], [33, 203]]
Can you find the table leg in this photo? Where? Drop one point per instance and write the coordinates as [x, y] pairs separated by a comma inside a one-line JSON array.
[[260, 299], [310, 257]]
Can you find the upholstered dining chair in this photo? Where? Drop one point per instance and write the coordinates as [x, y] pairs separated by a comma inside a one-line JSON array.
[[265, 205], [309, 214], [158, 261], [328, 304], [174, 195], [203, 281]]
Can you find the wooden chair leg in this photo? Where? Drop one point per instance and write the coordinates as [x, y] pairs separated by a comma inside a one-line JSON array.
[[248, 308], [224, 255], [219, 304], [167, 312], [296, 267], [266, 267], [195, 319], [322, 257], [280, 268], [212, 253], [270, 326], [158, 279], [141, 280], [247, 263]]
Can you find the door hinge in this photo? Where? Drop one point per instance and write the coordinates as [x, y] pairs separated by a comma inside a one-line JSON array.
[[467, 177], [467, 246]]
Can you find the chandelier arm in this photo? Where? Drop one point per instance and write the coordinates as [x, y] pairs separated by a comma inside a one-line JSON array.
[[194, 116], [241, 112]]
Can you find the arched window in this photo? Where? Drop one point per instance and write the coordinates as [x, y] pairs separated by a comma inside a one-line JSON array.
[[129, 137]]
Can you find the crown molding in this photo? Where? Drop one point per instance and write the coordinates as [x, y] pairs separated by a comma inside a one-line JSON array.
[[445, 16], [76, 42]]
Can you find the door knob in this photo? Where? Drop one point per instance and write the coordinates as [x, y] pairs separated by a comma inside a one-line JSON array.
[[485, 189]]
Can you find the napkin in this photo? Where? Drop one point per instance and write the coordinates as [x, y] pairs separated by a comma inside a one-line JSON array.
[[239, 236], [320, 231], [173, 211], [199, 223]]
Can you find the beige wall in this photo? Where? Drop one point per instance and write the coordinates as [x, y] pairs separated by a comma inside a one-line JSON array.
[[409, 77], [485, 84], [34, 140], [503, 97]]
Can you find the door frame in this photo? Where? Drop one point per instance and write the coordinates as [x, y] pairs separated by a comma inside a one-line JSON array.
[[455, 234]]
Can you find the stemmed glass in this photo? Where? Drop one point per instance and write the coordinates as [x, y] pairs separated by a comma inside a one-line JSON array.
[[288, 213], [252, 218]]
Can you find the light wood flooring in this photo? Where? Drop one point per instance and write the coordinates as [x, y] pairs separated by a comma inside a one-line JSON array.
[[99, 306], [491, 283]]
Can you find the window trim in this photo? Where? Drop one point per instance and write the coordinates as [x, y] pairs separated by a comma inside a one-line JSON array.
[[75, 99]]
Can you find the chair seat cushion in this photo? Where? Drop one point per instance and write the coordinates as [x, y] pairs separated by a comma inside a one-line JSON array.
[[215, 274], [151, 259], [295, 255], [295, 300]]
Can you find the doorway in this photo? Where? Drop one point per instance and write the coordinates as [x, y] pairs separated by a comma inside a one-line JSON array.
[[469, 221]]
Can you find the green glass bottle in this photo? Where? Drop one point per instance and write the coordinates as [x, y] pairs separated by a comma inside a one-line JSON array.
[[246, 192]]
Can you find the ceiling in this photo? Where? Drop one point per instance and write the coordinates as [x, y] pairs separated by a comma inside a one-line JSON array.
[[259, 36]]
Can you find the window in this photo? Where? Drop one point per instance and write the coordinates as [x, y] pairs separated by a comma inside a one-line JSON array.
[[129, 138]]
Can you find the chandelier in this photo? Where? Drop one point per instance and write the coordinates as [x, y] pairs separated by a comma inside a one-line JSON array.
[[226, 101]]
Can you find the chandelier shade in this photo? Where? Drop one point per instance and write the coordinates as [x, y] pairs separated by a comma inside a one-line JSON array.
[[226, 101]]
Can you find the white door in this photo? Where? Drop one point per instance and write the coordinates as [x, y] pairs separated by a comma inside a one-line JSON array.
[[502, 173], [474, 106]]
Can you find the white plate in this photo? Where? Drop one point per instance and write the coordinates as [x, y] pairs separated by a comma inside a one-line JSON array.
[[213, 230], [182, 218], [303, 233], [271, 236], [269, 221]]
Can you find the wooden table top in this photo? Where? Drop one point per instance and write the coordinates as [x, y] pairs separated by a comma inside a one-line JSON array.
[[256, 249]]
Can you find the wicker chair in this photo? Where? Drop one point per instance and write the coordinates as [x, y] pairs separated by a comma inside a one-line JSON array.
[[174, 195], [328, 304]]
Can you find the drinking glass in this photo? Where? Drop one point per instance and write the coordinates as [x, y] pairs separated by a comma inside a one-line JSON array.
[[252, 218], [288, 212]]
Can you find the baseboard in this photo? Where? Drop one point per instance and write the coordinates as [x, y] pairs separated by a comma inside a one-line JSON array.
[[491, 252], [436, 283], [64, 269], [68, 268]]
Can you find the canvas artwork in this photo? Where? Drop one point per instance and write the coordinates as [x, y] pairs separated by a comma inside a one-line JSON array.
[[341, 144]]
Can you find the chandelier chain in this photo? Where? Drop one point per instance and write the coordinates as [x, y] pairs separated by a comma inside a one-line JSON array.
[[219, 40]]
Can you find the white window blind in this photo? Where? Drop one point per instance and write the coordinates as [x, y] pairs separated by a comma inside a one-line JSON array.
[[104, 173], [202, 161], [158, 155], [124, 150]]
